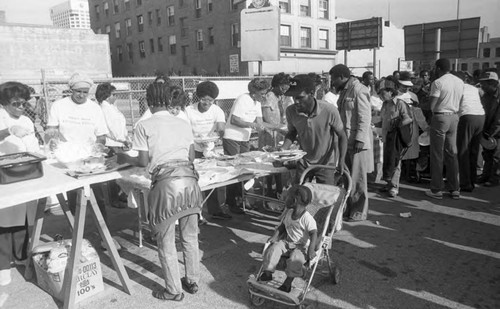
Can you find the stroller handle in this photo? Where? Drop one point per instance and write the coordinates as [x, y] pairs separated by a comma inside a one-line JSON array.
[[346, 178]]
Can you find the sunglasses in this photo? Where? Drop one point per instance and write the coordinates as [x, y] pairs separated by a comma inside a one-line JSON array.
[[19, 104]]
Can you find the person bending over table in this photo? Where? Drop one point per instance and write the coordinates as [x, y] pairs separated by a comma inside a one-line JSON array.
[[165, 142], [17, 134], [314, 123]]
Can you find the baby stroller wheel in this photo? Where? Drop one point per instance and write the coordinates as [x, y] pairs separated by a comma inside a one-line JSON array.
[[335, 274], [256, 300]]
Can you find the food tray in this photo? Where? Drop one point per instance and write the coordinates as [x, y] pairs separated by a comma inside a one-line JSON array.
[[289, 155], [20, 166]]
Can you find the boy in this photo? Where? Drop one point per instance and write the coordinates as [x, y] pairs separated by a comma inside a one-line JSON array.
[[297, 232]]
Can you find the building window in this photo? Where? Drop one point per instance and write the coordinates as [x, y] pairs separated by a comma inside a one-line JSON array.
[[140, 23], [152, 45], [127, 5], [235, 35], [497, 52], [211, 38], [170, 14], [128, 26], [108, 29], [486, 53], [139, 2], [285, 7], [485, 66], [130, 51], [323, 9], [184, 29], [142, 49], [158, 17], [305, 37], [234, 4], [160, 44], [184, 55], [97, 10], [199, 39], [172, 44], [463, 67], [150, 18], [323, 39], [181, 3], [117, 30], [210, 5], [106, 9], [305, 8], [197, 8], [116, 8], [285, 35], [119, 52]]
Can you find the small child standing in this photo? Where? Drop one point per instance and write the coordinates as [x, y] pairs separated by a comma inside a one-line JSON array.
[[296, 234]]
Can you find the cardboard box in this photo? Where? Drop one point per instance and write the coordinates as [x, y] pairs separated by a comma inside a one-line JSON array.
[[89, 279]]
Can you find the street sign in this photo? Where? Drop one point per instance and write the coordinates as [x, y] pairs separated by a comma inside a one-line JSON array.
[[359, 34]]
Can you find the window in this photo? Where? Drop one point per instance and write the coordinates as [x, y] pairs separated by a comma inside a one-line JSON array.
[[127, 5], [140, 23], [183, 26], [323, 39], [305, 37], [210, 5], [142, 49], [181, 3], [130, 51], [108, 29], [128, 26], [158, 17], [199, 39], [305, 8], [285, 7], [234, 4], [184, 55], [97, 10], [486, 52], [497, 52], [211, 38], [119, 52], [106, 9], [285, 35], [172, 44], [463, 67], [139, 2], [170, 14], [323, 9], [117, 30], [152, 45], [485, 66], [197, 8], [116, 8], [235, 35], [150, 18], [160, 44]]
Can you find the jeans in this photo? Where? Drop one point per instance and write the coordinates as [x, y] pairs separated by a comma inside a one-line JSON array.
[[232, 147], [443, 135], [167, 253], [295, 258], [469, 132], [13, 243]]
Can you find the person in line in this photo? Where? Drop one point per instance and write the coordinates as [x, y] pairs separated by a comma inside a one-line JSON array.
[[17, 134], [296, 237], [314, 123], [445, 95], [165, 144], [355, 112], [208, 119], [368, 80]]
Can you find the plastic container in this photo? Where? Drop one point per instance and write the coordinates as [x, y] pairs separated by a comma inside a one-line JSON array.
[[20, 166]]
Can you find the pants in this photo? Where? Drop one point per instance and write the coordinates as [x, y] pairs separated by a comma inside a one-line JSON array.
[[167, 253], [294, 263], [101, 195], [357, 203], [232, 147], [443, 135], [491, 164], [469, 132], [325, 176], [395, 176], [213, 202], [13, 244]]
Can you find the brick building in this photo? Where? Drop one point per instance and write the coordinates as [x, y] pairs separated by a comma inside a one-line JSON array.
[[199, 37]]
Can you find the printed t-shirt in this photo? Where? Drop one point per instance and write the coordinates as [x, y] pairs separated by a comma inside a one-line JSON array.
[[202, 123], [449, 90], [298, 230], [116, 122], [248, 110], [165, 137], [471, 102], [78, 122], [13, 144]]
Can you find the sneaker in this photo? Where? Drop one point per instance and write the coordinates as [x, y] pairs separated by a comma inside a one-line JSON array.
[[5, 277], [437, 195], [222, 215], [393, 192], [455, 195]]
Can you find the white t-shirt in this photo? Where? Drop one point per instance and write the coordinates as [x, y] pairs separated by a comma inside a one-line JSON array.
[[248, 110], [147, 114], [449, 90], [471, 102], [13, 144], [116, 122], [202, 123], [298, 230], [331, 98], [78, 122]]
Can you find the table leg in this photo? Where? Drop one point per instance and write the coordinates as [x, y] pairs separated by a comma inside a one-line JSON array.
[[35, 236], [65, 208]]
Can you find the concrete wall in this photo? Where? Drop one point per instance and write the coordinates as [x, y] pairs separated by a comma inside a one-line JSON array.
[[26, 50]]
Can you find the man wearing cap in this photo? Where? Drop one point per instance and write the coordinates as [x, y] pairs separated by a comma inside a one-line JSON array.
[[491, 131], [355, 112], [314, 123], [445, 95]]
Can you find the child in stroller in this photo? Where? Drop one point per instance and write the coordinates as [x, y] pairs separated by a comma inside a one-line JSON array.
[[296, 237]]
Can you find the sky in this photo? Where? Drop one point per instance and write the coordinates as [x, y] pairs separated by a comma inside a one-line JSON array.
[[402, 12]]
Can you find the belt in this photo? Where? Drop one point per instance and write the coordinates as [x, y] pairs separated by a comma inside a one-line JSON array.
[[444, 113]]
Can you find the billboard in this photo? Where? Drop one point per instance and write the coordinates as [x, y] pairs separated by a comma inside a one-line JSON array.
[[260, 34], [458, 39], [359, 34]]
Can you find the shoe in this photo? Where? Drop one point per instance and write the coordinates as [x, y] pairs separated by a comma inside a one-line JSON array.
[[393, 192], [356, 217], [266, 277], [455, 195], [438, 195], [190, 287], [236, 210], [221, 215], [164, 295], [5, 277]]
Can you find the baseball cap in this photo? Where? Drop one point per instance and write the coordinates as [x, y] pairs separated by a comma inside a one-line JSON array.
[[488, 76], [299, 83]]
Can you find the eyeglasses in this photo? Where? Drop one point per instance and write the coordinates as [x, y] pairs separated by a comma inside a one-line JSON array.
[[19, 104]]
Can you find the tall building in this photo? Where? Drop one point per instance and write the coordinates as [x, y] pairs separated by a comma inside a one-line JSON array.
[[71, 14], [202, 37]]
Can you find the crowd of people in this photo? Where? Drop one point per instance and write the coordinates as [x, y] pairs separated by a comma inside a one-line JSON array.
[[372, 129]]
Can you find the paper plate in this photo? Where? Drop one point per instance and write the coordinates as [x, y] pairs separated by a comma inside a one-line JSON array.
[[424, 139]]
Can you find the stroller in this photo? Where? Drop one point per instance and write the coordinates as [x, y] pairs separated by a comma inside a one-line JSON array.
[[327, 207]]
